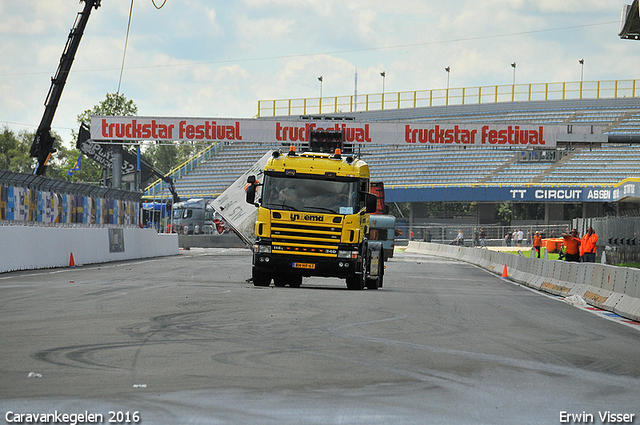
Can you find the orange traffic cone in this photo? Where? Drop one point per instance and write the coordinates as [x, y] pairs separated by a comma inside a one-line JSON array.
[[504, 272], [71, 262]]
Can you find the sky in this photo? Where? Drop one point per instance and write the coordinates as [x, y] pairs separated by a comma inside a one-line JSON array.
[[219, 58]]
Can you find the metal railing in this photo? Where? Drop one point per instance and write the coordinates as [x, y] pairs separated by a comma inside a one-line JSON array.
[[495, 234], [450, 96], [31, 200]]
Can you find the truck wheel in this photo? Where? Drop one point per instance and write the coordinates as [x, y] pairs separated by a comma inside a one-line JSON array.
[[260, 279], [294, 280], [356, 283], [372, 283], [280, 280]]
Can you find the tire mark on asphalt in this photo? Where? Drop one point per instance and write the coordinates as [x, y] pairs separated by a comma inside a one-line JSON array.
[[168, 328], [627, 382]]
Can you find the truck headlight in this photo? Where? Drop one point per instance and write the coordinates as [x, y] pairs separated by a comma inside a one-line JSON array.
[[347, 254], [262, 249]]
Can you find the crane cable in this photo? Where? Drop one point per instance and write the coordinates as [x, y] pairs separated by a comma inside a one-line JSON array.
[[124, 54], [126, 42]]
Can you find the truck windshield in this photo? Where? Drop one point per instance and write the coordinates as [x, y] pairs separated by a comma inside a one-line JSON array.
[[181, 213], [310, 195]]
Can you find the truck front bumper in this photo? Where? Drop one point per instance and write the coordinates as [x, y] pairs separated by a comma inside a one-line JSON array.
[[307, 265]]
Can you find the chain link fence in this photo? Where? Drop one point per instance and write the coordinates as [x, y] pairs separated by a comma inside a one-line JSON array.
[[495, 235], [618, 237]]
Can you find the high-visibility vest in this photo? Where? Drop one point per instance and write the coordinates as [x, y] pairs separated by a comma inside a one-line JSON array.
[[537, 240], [572, 244], [588, 243]]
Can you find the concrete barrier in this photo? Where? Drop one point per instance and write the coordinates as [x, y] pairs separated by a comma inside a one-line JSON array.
[[37, 247], [226, 240], [611, 288], [538, 274], [630, 301]]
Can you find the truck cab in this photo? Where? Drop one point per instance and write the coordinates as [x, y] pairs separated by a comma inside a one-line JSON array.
[[192, 217]]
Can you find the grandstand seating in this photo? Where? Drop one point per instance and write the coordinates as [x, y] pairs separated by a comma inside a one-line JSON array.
[[427, 165]]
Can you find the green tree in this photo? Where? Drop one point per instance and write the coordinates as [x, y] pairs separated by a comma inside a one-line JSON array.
[[571, 211], [504, 212], [167, 156], [163, 156], [14, 151], [14, 156], [528, 211], [66, 160], [91, 172], [399, 209], [113, 104]]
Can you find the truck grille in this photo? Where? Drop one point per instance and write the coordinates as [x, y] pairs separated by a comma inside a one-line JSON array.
[[305, 239]]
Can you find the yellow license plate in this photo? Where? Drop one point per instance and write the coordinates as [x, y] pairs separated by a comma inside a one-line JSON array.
[[304, 266]]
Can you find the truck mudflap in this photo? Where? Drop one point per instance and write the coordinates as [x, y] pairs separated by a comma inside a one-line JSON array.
[[375, 270], [375, 254]]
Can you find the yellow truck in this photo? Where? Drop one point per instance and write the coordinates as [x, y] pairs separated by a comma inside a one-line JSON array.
[[313, 217]]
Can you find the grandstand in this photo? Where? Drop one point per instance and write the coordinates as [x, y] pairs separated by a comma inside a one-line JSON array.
[[402, 168]]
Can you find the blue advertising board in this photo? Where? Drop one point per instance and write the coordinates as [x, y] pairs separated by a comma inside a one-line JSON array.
[[574, 194]]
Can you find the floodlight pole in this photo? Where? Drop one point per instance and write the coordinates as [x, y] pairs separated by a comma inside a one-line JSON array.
[[320, 100], [513, 87], [581, 75], [383, 74], [448, 69], [355, 91]]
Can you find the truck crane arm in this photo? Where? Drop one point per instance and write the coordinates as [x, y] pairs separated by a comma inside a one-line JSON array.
[[169, 181], [42, 146]]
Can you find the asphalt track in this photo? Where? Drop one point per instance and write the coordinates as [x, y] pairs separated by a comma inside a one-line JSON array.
[[188, 340]]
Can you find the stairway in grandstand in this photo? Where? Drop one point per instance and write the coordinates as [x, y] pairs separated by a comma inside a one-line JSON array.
[[426, 165], [503, 169], [212, 176], [552, 167]]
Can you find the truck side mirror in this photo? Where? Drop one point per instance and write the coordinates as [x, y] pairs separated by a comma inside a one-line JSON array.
[[250, 188], [371, 203]]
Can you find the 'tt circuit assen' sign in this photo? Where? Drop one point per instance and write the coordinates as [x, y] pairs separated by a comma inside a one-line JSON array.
[[562, 194], [629, 188], [251, 130]]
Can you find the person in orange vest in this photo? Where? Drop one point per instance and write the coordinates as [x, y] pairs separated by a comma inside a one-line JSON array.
[[588, 246], [537, 242], [572, 244]]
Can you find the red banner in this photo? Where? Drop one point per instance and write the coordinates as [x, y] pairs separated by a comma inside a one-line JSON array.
[[291, 131]]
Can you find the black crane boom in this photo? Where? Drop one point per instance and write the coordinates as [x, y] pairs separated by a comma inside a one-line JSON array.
[[42, 146]]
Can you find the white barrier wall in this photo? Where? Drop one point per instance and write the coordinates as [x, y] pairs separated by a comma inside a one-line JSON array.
[[607, 287], [33, 247]]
